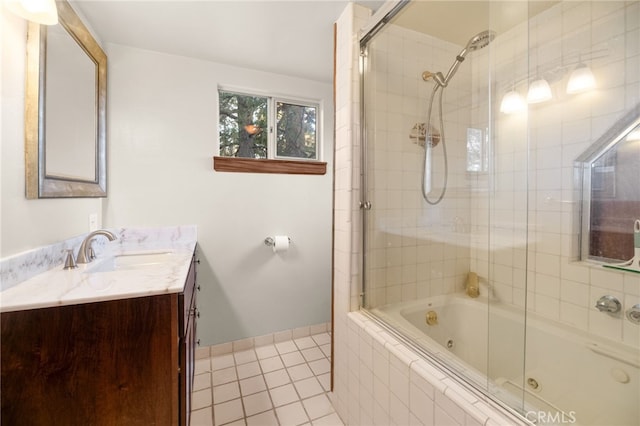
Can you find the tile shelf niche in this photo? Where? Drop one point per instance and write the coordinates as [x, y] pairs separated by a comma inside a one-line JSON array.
[[256, 165]]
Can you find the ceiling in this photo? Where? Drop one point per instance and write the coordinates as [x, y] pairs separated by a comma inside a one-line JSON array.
[[457, 21], [290, 37], [286, 37]]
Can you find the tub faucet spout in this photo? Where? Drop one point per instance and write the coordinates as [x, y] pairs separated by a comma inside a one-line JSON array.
[[85, 252], [472, 288]]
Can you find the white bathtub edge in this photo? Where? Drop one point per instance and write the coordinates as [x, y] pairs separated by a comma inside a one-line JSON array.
[[447, 388]]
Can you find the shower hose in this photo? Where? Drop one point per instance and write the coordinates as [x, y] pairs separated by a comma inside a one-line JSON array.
[[428, 146]]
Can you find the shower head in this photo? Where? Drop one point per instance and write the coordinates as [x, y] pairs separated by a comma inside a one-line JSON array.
[[479, 41], [476, 42]]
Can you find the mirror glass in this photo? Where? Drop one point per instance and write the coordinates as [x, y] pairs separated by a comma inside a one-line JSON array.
[[611, 192], [71, 82], [65, 110]]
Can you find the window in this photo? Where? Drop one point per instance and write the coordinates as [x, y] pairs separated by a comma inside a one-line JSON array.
[[263, 127], [243, 119], [610, 172], [477, 152]]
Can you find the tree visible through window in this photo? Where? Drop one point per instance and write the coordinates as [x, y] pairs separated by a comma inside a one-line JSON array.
[[296, 131], [247, 123], [243, 119]]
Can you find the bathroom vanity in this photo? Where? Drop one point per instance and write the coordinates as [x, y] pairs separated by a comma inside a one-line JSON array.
[[116, 349]]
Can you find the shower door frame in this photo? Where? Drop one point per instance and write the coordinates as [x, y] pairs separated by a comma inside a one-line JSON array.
[[386, 13]]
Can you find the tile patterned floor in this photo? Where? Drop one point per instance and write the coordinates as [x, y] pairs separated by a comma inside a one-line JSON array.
[[283, 384]]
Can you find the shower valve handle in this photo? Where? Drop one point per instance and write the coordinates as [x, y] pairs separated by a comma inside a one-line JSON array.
[[608, 304]]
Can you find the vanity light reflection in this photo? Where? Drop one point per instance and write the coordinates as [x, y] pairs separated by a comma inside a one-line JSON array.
[[38, 11]]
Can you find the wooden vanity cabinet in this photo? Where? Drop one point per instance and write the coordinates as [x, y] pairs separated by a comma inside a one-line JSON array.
[[118, 362]]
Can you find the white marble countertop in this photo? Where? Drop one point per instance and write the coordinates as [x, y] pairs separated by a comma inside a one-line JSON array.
[[58, 287]]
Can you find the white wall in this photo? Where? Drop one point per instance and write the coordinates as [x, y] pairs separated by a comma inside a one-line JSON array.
[[26, 224], [162, 130]]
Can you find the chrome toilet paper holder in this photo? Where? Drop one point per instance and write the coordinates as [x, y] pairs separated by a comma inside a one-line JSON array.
[[270, 241]]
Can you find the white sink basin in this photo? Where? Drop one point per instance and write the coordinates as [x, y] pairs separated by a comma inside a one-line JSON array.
[[130, 261]]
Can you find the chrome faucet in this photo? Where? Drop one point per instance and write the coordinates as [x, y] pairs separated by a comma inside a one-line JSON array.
[[85, 252], [608, 304]]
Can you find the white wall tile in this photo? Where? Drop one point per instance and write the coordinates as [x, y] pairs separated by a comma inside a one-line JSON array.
[[558, 287]]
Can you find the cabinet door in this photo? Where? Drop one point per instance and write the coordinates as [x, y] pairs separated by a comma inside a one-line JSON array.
[[187, 355], [187, 345], [107, 363]]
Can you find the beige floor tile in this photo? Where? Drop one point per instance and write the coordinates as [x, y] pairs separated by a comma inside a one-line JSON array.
[[283, 395], [277, 378], [271, 364], [305, 342], [222, 361], [318, 406], [228, 412], [245, 356], [202, 417], [326, 350], [292, 358], [203, 352], [249, 369], [322, 339], [320, 366], [331, 420], [267, 351], [325, 381], [267, 418], [226, 392], [201, 381], [202, 365], [292, 414], [312, 354], [299, 372], [245, 385], [286, 347], [252, 385], [257, 403], [240, 422], [308, 387], [223, 376], [201, 399]]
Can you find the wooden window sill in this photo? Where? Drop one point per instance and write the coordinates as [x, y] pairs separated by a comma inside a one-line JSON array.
[[253, 165]]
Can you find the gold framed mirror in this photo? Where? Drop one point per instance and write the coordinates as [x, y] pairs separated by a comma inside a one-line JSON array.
[[65, 110]]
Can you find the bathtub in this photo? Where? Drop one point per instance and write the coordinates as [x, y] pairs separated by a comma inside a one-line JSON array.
[[569, 376]]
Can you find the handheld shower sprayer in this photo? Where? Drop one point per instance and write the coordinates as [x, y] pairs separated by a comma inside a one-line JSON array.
[[476, 42]]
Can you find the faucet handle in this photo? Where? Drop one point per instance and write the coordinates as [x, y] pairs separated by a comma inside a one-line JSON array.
[[608, 304], [70, 260]]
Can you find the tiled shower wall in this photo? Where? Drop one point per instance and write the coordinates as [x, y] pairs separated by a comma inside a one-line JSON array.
[[531, 223], [415, 250], [404, 389], [524, 232]]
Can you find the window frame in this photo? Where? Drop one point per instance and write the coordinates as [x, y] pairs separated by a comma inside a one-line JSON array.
[[272, 100], [273, 148]]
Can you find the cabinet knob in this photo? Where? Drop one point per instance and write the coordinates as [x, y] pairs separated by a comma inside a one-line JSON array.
[[198, 287], [198, 261], [198, 342]]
